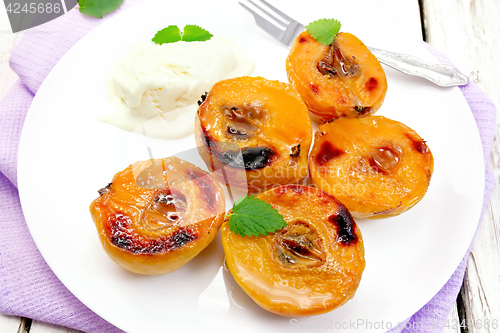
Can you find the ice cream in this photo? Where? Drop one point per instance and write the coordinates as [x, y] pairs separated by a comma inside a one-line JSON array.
[[154, 88]]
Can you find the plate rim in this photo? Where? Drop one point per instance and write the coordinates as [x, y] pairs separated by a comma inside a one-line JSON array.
[[23, 161]]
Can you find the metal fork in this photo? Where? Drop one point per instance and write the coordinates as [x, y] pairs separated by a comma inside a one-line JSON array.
[[285, 29]]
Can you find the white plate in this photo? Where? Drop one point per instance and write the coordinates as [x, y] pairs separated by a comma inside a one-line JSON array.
[[66, 156]]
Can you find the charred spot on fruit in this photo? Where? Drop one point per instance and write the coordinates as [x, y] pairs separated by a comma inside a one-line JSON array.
[[422, 147], [182, 237], [345, 225], [295, 150], [123, 236], [249, 158], [256, 157], [106, 189], [362, 110], [419, 144], [202, 98], [327, 152], [314, 88], [371, 84]]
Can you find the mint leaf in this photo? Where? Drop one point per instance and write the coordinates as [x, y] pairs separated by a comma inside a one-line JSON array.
[[193, 33], [98, 8], [324, 30], [190, 33], [238, 201], [254, 217], [170, 34]]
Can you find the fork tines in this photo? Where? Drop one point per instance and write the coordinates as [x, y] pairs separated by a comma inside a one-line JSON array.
[[273, 12], [273, 21]]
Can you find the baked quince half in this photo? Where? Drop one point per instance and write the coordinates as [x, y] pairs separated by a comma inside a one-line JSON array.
[[157, 215], [258, 130], [376, 166], [340, 79], [312, 266]]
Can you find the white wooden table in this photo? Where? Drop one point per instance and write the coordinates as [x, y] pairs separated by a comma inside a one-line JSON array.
[[468, 32]]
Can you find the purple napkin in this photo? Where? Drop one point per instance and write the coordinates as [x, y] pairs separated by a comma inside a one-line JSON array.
[[484, 111], [28, 287]]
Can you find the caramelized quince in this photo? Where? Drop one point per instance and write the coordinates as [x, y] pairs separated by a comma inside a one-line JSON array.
[[376, 166], [311, 266], [340, 79], [257, 126], [157, 215]]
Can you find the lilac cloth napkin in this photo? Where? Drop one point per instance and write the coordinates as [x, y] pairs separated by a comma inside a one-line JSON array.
[[28, 287]]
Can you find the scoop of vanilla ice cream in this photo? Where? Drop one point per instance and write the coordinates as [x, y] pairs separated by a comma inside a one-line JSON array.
[[152, 79]]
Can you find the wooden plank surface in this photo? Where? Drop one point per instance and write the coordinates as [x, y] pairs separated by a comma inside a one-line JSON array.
[[452, 318], [7, 75], [9, 324], [40, 327], [468, 32], [7, 42]]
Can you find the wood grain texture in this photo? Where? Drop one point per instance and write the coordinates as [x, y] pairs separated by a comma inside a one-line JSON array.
[[7, 75], [468, 32], [452, 318], [481, 286], [403, 14], [41, 327], [7, 42], [9, 324]]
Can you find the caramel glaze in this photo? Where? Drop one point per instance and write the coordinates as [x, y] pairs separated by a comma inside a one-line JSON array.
[[311, 266], [340, 79], [346, 227], [259, 129], [157, 215], [384, 170]]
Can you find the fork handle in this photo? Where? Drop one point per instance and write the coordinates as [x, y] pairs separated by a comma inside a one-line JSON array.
[[443, 75]]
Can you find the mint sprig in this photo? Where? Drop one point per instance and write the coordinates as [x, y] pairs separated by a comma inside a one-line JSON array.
[[254, 217], [190, 33], [324, 30], [170, 34], [98, 8]]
